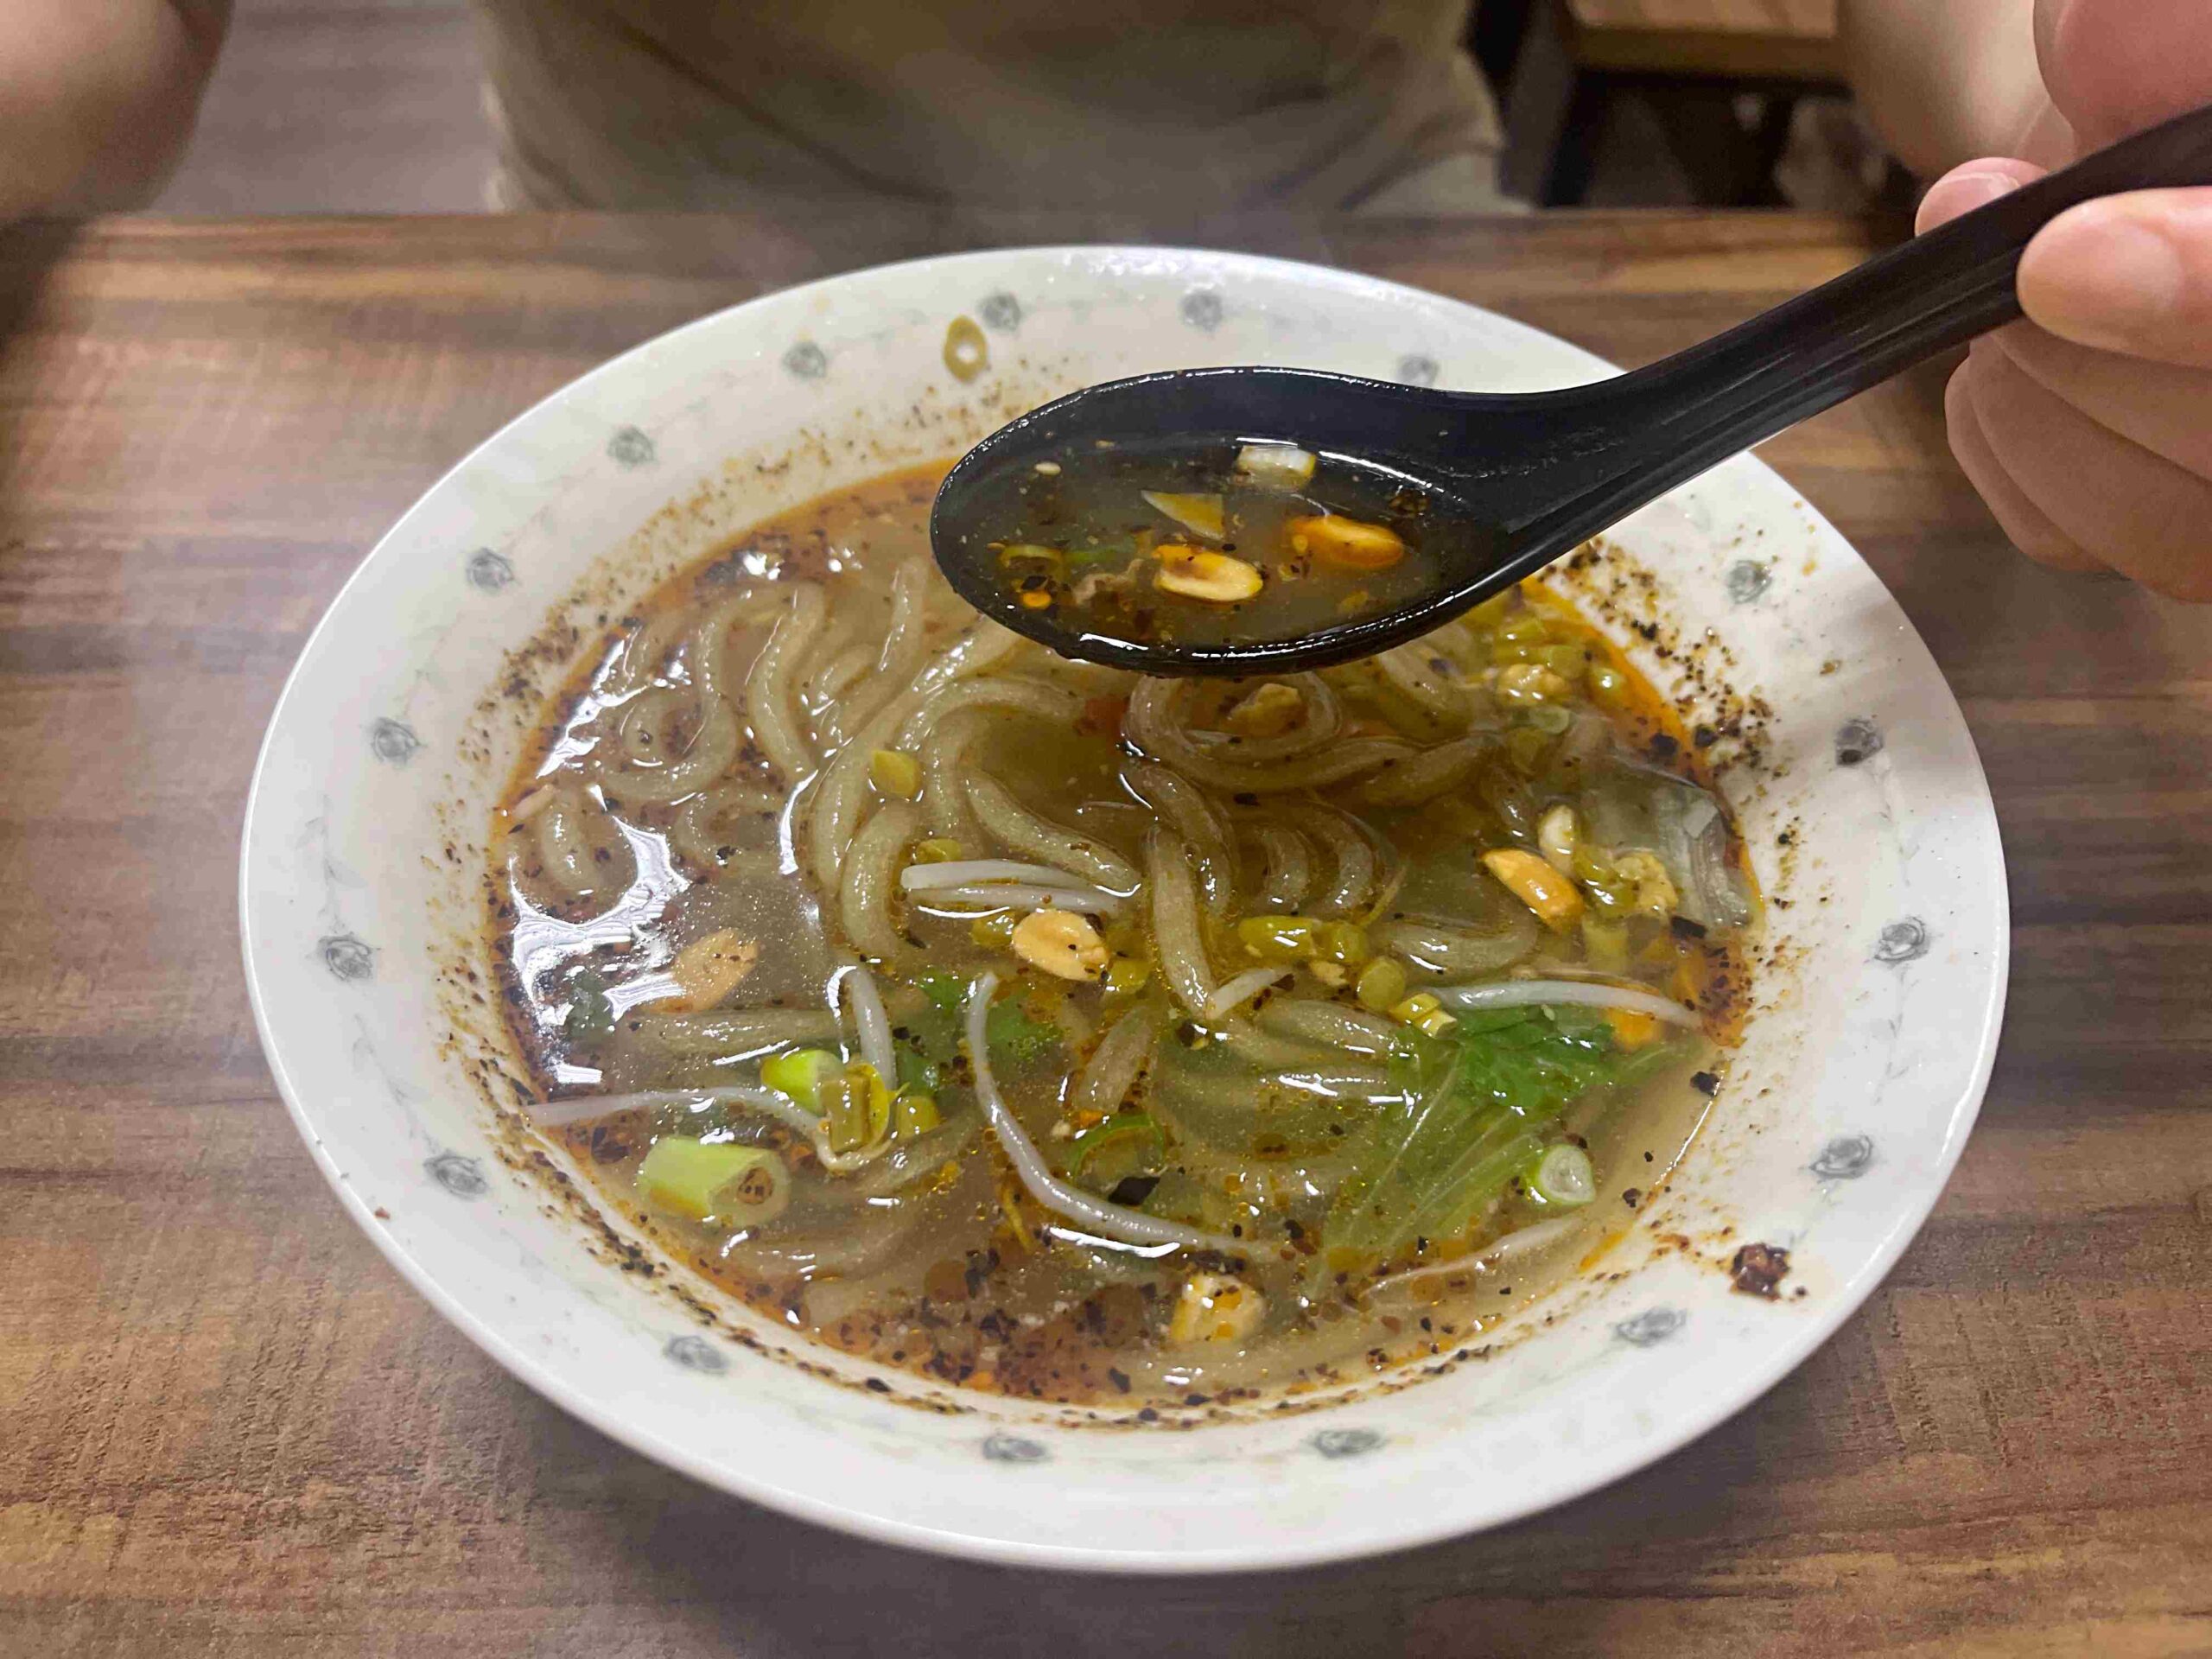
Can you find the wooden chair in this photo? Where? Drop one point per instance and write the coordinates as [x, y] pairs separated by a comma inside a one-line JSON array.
[[1692, 58]]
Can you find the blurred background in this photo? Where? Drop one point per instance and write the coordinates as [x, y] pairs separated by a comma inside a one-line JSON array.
[[375, 106]]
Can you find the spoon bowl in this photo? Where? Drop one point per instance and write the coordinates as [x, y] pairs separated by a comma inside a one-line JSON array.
[[1509, 482], [1382, 432]]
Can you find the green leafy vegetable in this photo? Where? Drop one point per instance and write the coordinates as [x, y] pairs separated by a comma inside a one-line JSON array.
[[1015, 1034], [590, 1015], [1477, 1103], [932, 1033], [918, 1074], [947, 993]]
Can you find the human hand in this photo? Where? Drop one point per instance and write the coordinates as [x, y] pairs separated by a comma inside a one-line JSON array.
[[97, 100], [2088, 427]]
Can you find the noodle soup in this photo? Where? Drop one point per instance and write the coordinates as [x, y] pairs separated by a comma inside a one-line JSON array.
[[1050, 1031]]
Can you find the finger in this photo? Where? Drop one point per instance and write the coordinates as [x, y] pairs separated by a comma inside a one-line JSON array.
[[2130, 274], [2164, 407], [2025, 524], [2116, 67], [1969, 186], [2136, 512]]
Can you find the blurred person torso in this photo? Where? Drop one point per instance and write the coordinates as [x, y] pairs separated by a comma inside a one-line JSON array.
[[1140, 107]]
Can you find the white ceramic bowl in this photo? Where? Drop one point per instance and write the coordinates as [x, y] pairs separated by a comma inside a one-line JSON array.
[[360, 899]]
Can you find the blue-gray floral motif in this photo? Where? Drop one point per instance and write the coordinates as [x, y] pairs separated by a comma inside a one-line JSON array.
[[1346, 1442], [1000, 312], [1013, 1448], [1746, 580], [631, 447], [807, 360], [393, 740], [695, 1354], [461, 1176], [488, 571], [1418, 370], [1856, 741], [1201, 309], [1845, 1159], [346, 957], [1902, 941], [1652, 1326]]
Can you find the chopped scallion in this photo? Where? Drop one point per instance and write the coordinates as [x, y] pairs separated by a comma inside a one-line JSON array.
[[1104, 1155], [799, 1074], [1563, 1177], [716, 1182]]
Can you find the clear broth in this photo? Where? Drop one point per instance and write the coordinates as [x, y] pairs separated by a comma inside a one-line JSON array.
[[1082, 541], [933, 1257]]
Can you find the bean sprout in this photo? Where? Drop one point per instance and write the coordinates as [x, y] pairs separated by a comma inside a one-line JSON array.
[[587, 1108], [1014, 895], [1113, 1221], [1531, 993]]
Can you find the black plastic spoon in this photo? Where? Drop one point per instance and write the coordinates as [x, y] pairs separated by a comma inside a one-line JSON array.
[[1514, 480]]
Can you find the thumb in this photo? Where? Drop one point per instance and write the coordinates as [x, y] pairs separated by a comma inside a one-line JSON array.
[[2130, 274]]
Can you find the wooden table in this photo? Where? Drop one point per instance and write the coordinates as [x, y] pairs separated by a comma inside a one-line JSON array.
[[226, 1427], [1789, 39]]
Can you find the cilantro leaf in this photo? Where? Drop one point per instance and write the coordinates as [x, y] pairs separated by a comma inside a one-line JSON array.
[[929, 1037], [1015, 1036], [948, 993], [918, 1074]]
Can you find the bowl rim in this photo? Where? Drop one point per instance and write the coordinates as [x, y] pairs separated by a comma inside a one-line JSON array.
[[1415, 1527]]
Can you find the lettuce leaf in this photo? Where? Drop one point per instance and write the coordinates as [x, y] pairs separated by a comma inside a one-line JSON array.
[[1477, 1105]]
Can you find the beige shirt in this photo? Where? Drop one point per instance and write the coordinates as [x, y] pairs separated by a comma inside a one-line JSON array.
[[1143, 107]]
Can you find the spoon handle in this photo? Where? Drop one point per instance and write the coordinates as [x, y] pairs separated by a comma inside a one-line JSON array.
[[1659, 426]]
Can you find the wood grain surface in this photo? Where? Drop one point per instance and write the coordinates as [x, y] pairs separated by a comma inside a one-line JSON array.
[[228, 1428], [1791, 40], [1812, 19]]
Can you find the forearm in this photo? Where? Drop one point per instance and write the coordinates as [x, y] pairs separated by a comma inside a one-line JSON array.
[[1946, 80], [98, 97]]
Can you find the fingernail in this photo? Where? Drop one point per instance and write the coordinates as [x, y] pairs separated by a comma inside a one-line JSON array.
[[1960, 193], [2102, 279]]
